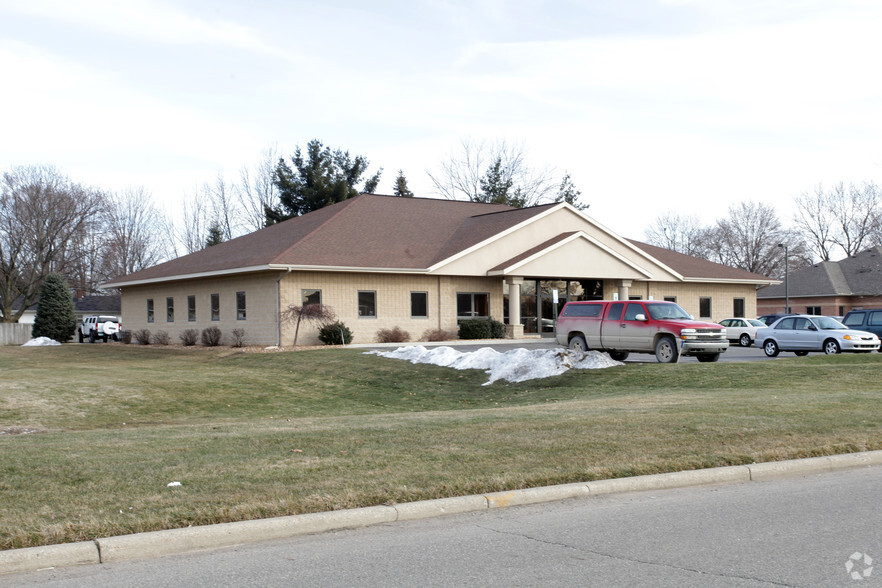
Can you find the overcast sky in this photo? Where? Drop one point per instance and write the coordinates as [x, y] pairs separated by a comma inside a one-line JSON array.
[[651, 105]]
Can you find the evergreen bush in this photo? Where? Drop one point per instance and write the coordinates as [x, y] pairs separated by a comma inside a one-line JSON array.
[[55, 317], [481, 328], [335, 334]]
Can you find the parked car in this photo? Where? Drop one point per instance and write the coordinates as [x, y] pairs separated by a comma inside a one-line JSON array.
[[742, 330], [99, 327], [804, 333], [768, 319], [869, 319]]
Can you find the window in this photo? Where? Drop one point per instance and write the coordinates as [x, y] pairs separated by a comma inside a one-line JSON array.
[[816, 310], [875, 318], [472, 304], [191, 308], [738, 307], [632, 311], [240, 306], [704, 307], [419, 305], [311, 296], [149, 310], [215, 307], [670, 298], [854, 319], [367, 304], [582, 310], [170, 309], [615, 311]]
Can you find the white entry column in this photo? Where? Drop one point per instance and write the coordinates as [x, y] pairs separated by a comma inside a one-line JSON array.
[[514, 329]]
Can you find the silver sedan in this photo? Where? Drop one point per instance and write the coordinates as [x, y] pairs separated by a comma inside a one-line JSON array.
[[804, 333]]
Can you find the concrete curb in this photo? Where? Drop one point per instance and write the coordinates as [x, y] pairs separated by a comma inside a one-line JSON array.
[[190, 539]]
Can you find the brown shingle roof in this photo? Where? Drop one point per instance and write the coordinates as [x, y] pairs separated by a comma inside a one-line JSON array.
[[386, 232], [696, 267]]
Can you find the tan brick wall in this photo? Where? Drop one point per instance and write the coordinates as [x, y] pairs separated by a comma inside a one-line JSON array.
[[688, 295], [340, 292], [260, 298]]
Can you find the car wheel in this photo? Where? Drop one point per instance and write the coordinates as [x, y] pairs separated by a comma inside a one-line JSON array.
[[619, 355], [104, 338], [800, 353], [708, 357], [831, 347], [744, 341], [666, 350], [79, 336], [771, 348], [577, 343], [91, 336]]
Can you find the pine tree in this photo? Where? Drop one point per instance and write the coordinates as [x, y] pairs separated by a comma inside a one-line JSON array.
[[569, 193], [55, 317], [215, 235], [401, 188]]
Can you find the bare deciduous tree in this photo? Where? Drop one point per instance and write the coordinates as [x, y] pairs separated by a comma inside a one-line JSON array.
[[41, 213], [682, 233], [131, 234], [256, 191], [843, 219], [310, 313], [465, 175]]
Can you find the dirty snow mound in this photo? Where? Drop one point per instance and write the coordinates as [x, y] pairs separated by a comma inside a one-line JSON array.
[[41, 342], [516, 365]]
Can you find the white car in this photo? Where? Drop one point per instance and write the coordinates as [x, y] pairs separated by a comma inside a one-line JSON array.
[[742, 330], [803, 333]]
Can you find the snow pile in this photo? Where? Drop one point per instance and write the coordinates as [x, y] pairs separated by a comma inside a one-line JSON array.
[[516, 365], [41, 342]]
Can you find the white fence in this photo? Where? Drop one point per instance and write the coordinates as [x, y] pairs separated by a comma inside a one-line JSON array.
[[14, 333]]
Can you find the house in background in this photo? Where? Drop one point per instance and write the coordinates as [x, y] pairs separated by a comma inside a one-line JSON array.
[[829, 288], [421, 264], [83, 306]]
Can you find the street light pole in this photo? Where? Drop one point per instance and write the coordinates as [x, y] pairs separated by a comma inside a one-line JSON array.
[[786, 280]]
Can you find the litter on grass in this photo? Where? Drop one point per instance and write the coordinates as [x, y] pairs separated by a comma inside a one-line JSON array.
[[170, 484], [516, 365], [41, 342]]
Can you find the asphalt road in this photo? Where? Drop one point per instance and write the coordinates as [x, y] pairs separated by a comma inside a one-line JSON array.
[[797, 531]]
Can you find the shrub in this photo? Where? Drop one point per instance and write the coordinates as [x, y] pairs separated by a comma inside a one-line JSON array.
[[393, 335], [125, 337], [481, 328], [143, 337], [335, 334], [211, 336], [189, 337], [238, 336], [161, 338], [437, 335]]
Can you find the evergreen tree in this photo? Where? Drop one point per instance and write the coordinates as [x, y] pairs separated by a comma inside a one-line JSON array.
[[318, 178], [569, 193], [401, 188], [55, 310], [215, 235], [496, 186]]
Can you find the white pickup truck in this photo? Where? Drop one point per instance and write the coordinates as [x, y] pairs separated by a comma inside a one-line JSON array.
[[99, 326]]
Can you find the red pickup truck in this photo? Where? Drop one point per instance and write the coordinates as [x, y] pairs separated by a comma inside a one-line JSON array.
[[641, 326]]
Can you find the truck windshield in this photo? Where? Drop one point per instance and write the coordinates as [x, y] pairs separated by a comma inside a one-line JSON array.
[[666, 310]]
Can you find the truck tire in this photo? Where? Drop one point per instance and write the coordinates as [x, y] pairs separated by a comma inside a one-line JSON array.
[[708, 357], [619, 355], [666, 350], [577, 343], [91, 336], [104, 337], [79, 336]]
